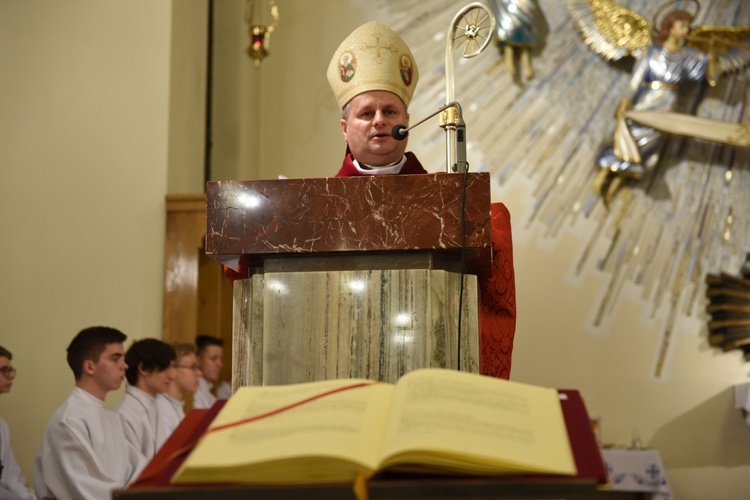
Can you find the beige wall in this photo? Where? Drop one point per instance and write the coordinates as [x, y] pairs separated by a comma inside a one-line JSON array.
[[187, 96], [89, 122], [279, 118], [84, 121]]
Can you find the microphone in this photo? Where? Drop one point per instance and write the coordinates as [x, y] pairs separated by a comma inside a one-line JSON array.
[[456, 138], [400, 132]]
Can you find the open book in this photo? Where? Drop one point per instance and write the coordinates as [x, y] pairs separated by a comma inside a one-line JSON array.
[[432, 420]]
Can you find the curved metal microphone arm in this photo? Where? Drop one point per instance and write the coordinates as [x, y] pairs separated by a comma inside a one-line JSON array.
[[400, 132], [456, 126]]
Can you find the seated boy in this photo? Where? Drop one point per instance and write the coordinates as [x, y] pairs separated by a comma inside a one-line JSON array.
[[170, 404], [149, 372], [84, 453]]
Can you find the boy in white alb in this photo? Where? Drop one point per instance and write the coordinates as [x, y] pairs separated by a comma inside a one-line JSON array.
[[149, 373], [12, 481], [84, 453], [170, 404], [210, 352]]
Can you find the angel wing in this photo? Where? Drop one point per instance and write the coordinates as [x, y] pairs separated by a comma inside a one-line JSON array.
[[610, 29], [728, 48]]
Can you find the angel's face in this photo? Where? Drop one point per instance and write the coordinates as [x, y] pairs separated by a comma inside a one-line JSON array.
[[679, 29]]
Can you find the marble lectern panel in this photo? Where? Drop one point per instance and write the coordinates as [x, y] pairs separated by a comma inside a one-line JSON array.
[[253, 220], [293, 327]]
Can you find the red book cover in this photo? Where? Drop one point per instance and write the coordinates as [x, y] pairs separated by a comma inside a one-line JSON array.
[[586, 452], [176, 448]]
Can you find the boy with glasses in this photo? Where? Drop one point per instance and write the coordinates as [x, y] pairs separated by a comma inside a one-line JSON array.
[[170, 404], [12, 480]]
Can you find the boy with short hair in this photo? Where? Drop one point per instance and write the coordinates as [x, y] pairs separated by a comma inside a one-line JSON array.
[[210, 351], [149, 373], [12, 480], [170, 404], [84, 453]]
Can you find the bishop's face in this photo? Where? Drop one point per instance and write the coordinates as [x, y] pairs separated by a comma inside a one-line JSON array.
[[367, 128]]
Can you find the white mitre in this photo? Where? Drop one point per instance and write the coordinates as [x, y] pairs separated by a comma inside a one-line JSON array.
[[372, 57]]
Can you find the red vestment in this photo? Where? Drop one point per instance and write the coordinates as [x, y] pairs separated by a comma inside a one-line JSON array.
[[412, 166]]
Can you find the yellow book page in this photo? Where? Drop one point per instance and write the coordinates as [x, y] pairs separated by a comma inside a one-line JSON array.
[[468, 423], [316, 441]]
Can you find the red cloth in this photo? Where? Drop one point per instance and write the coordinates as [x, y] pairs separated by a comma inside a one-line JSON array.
[[497, 301], [497, 293]]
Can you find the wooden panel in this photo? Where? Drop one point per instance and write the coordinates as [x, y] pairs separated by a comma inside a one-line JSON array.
[[186, 228], [214, 313], [197, 295]]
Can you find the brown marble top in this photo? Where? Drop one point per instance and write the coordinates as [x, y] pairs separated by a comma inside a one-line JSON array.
[[250, 220]]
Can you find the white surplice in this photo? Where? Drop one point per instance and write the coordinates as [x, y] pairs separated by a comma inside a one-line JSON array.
[[138, 411], [11, 477], [84, 453], [224, 391], [171, 412], [203, 397]]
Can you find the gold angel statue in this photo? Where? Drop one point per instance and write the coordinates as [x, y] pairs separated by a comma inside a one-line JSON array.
[[667, 61]]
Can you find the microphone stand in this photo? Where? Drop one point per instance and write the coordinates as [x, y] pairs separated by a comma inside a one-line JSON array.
[[452, 121], [478, 20]]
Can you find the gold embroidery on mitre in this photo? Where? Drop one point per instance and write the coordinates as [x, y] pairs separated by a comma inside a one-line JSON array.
[[372, 57]]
